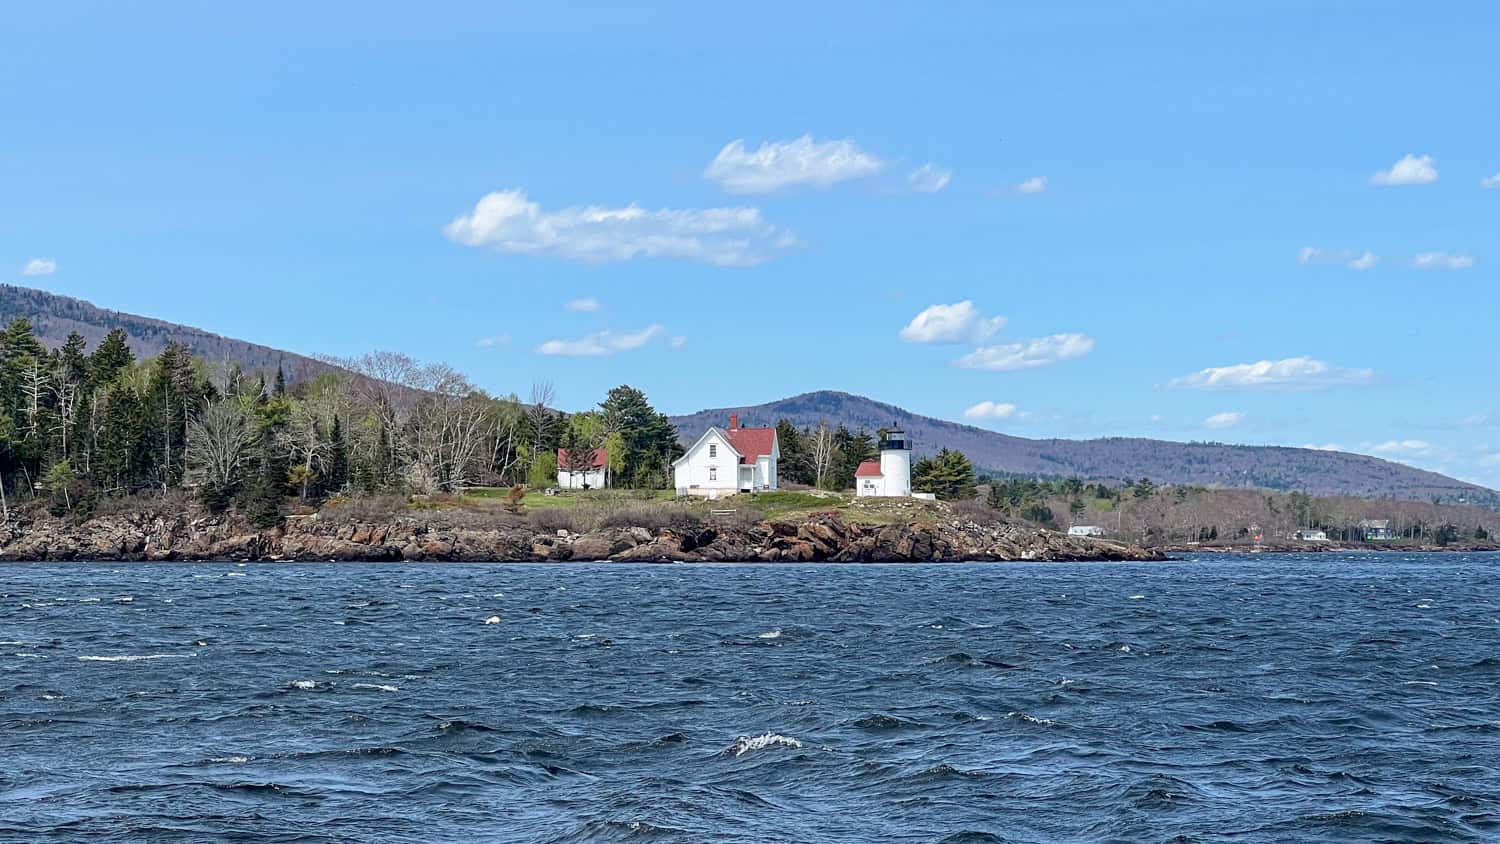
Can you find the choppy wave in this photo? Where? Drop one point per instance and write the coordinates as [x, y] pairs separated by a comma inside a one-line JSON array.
[[1015, 703], [750, 744]]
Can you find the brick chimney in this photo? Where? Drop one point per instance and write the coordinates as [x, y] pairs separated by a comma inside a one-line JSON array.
[[734, 421]]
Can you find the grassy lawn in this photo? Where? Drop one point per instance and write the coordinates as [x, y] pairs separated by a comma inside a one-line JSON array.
[[536, 499], [780, 504]]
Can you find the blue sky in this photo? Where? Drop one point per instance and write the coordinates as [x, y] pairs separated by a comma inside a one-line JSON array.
[[1262, 223]]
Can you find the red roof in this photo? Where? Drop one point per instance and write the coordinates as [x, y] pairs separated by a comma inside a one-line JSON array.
[[869, 469], [752, 443], [601, 458]]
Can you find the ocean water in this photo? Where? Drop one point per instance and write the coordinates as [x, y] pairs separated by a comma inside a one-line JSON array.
[[1273, 698]]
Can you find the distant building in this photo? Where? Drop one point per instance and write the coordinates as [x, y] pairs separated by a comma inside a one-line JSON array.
[[1085, 530], [596, 476], [890, 476], [1376, 530], [725, 461], [1310, 535]]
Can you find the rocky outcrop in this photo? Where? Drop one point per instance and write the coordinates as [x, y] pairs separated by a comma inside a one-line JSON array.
[[822, 537]]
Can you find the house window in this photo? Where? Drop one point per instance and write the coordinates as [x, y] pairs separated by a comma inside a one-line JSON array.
[[713, 474], [713, 450]]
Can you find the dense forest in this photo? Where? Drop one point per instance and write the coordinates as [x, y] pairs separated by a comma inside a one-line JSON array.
[[80, 426]]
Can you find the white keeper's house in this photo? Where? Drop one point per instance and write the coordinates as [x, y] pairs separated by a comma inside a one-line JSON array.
[[890, 476], [725, 461]]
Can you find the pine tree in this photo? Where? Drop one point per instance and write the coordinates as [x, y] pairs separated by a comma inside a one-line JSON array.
[[263, 499], [338, 458]]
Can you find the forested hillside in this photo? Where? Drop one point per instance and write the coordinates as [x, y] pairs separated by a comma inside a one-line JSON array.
[[83, 428], [1116, 460], [53, 318]]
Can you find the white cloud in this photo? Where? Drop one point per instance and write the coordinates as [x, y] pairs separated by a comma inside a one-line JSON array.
[[1410, 170], [959, 322], [1324, 447], [39, 266], [1481, 418], [1442, 261], [929, 178], [1407, 447], [600, 343], [1035, 184], [1227, 419], [1301, 373], [1028, 354], [584, 306], [678, 342], [784, 164], [507, 221], [1314, 255], [1490, 182], [491, 342], [990, 410]]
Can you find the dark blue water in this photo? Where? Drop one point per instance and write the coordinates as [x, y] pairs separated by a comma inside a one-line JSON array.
[[1264, 699]]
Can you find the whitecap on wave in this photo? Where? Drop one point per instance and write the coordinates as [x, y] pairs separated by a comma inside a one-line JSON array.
[[750, 744], [302, 684], [133, 657], [376, 686], [1031, 719]]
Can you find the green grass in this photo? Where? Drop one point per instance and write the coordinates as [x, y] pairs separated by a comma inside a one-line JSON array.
[[569, 497]]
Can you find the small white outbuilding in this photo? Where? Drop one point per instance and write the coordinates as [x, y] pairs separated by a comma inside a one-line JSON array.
[[594, 476]]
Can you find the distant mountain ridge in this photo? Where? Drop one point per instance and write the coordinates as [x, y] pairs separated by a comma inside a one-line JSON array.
[[1117, 459], [54, 317]]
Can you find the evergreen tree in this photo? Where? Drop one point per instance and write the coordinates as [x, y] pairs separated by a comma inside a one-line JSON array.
[[649, 439], [949, 476], [338, 458], [796, 464], [111, 357], [263, 500]]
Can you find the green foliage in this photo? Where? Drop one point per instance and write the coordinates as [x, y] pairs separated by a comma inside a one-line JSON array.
[[1144, 488], [949, 476], [543, 471], [1039, 512], [263, 500], [647, 439]]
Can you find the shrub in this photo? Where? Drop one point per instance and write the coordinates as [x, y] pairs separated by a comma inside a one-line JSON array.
[[554, 519], [652, 516], [981, 514]]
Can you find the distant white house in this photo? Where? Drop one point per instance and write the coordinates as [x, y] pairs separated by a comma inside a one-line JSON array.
[[725, 461], [1310, 535], [1085, 530], [890, 476], [596, 476]]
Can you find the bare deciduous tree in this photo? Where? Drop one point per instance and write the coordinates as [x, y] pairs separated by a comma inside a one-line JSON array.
[[219, 440]]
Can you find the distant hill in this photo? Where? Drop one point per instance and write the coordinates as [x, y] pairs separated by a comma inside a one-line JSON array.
[[1118, 459], [54, 317]]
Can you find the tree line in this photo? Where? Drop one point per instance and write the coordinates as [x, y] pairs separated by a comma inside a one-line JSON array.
[[79, 426]]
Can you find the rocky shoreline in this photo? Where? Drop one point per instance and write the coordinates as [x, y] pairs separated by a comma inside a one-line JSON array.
[[820, 537]]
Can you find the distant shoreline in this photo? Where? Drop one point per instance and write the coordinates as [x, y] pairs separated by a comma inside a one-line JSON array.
[[1332, 548]]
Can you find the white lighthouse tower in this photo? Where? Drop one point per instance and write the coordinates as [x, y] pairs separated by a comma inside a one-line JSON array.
[[890, 477]]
